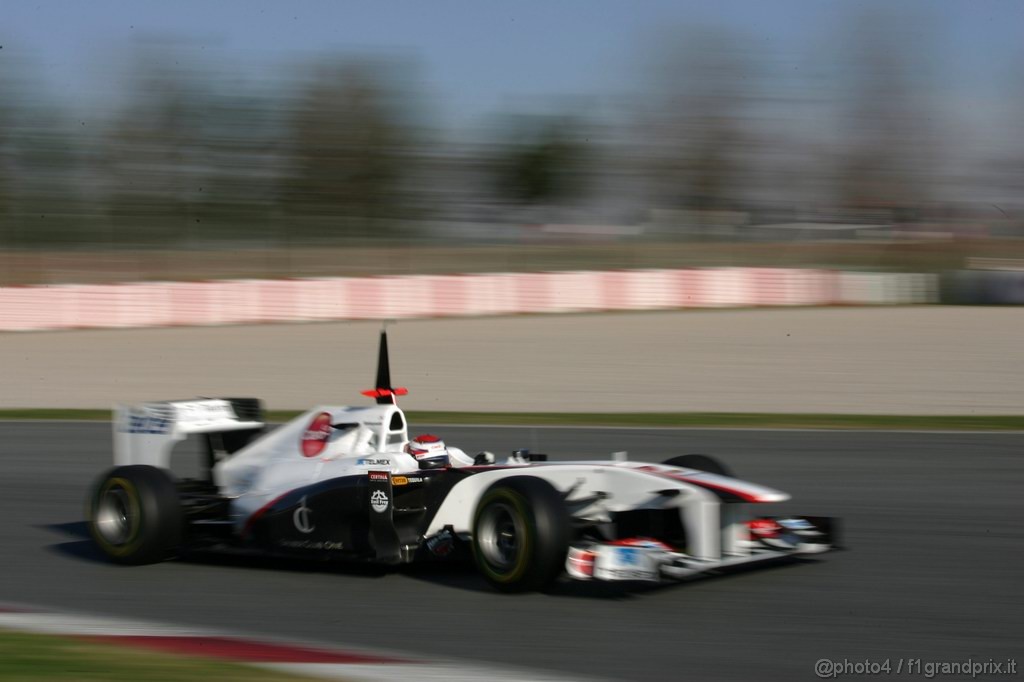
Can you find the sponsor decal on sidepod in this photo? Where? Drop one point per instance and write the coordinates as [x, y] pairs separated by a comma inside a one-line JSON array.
[[379, 501], [314, 438], [302, 518]]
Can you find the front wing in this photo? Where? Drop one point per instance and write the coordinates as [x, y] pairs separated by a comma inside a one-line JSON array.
[[650, 560]]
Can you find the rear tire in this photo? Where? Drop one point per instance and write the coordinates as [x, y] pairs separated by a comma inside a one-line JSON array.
[[135, 516], [700, 463], [521, 534]]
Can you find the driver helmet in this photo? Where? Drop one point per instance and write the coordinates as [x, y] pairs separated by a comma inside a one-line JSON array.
[[429, 450]]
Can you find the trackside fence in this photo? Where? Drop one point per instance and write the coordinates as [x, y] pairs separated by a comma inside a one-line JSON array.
[[254, 301]]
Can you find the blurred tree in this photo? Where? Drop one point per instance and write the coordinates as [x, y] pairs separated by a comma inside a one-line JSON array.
[[351, 150], [888, 150], [38, 161], [692, 128], [544, 161], [1008, 170], [242, 151], [152, 153], [7, 97], [47, 204], [193, 157]]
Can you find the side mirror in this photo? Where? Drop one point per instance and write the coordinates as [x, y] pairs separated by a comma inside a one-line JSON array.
[[524, 455]]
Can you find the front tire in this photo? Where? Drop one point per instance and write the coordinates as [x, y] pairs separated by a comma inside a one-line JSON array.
[[521, 534], [135, 516]]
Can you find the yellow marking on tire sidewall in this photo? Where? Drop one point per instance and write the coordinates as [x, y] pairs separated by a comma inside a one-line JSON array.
[[135, 510], [521, 565]]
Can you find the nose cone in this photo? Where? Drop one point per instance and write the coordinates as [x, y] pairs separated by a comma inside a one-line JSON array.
[[726, 485]]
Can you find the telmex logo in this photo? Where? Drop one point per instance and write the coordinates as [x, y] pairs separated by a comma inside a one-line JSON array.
[[314, 438]]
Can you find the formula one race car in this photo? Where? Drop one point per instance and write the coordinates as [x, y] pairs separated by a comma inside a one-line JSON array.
[[347, 483]]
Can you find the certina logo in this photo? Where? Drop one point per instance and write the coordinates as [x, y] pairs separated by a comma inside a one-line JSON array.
[[379, 501], [303, 517], [378, 476], [314, 438]]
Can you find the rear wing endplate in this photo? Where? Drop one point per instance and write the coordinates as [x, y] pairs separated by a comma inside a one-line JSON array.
[[146, 433]]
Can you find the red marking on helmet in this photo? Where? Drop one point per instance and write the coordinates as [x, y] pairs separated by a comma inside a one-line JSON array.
[[427, 445], [426, 438]]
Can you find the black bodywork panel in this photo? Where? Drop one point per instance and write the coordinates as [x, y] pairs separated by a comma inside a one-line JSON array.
[[377, 516]]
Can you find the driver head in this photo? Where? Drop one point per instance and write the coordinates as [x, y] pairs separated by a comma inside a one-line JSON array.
[[429, 450]]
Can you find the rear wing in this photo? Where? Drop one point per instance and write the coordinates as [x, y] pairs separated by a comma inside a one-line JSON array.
[[146, 433]]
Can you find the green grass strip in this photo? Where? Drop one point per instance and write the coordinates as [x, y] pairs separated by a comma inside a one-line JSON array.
[[731, 420], [55, 413], [46, 658]]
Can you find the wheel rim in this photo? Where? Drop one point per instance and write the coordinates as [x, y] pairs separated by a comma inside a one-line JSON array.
[[500, 536], [115, 516]]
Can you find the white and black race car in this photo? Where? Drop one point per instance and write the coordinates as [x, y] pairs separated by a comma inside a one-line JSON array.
[[343, 483]]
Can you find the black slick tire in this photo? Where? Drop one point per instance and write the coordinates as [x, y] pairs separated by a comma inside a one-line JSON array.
[[521, 534], [134, 515]]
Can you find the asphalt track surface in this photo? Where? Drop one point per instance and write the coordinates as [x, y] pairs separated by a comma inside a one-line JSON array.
[[933, 571]]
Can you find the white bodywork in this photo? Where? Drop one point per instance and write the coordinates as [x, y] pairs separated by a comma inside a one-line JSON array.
[[597, 489], [276, 463], [336, 441]]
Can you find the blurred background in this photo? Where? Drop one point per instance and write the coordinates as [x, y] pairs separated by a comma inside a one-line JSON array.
[[147, 141]]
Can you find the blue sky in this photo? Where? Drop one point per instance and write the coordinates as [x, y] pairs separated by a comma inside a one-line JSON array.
[[478, 57]]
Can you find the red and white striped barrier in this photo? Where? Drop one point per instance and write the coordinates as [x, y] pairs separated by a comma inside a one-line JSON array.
[[309, 659], [221, 302]]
